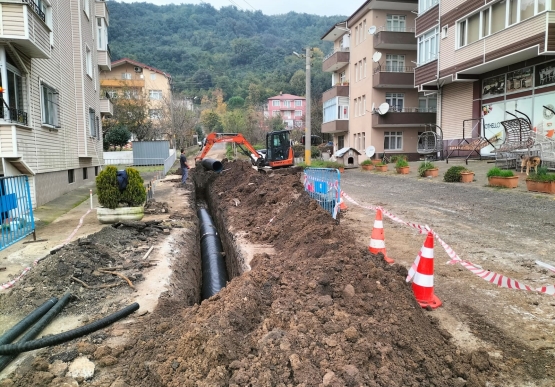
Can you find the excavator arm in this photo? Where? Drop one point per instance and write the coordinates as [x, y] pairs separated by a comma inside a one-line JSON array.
[[236, 138]]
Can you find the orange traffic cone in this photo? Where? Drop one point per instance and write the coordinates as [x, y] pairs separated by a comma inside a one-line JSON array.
[[342, 205], [377, 241], [423, 282]]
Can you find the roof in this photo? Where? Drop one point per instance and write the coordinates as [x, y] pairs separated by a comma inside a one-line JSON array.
[[287, 96], [341, 152], [144, 66], [337, 30]]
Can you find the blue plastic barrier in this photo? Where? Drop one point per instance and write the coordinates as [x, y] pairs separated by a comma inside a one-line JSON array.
[[16, 210], [324, 186]]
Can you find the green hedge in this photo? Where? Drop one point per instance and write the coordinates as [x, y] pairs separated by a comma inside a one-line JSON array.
[[108, 191]]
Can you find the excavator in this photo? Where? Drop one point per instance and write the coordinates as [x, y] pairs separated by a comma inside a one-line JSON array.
[[279, 152]]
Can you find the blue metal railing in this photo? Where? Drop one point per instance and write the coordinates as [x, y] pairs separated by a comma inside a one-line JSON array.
[[324, 186], [16, 210]]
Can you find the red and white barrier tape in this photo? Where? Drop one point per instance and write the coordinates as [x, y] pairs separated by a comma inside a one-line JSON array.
[[492, 277], [8, 285]]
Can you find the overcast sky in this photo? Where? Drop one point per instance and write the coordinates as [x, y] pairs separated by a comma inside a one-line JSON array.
[[272, 7]]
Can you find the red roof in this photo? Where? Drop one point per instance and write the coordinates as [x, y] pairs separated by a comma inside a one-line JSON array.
[[287, 96], [135, 63]]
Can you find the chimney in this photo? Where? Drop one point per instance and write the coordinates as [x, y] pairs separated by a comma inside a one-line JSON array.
[[281, 93]]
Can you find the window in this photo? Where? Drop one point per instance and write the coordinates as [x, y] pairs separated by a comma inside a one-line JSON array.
[[340, 142], [125, 75], [541, 5], [336, 109], [96, 171], [298, 113], [298, 124], [424, 5], [444, 30], [276, 113], [364, 30], [363, 104], [49, 108], [394, 63], [396, 23], [361, 32], [70, 176], [101, 34], [86, 7], [527, 9], [287, 103], [513, 12], [275, 102], [155, 94], [427, 104], [356, 72], [485, 23], [393, 141], [360, 69], [92, 122], [342, 77], [286, 114], [112, 94], [88, 60], [356, 107], [363, 140], [155, 114], [14, 87], [131, 94], [152, 76], [395, 100], [364, 67], [356, 35], [298, 102], [428, 46], [85, 173]]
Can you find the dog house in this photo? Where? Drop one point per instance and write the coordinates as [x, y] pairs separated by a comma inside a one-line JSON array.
[[348, 157]]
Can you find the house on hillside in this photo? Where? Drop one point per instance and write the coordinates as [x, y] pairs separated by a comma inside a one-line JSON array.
[[291, 108], [50, 116]]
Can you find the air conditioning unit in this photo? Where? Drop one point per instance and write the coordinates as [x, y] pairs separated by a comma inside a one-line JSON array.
[[138, 69]]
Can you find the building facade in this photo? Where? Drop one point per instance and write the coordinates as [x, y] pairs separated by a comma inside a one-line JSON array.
[[50, 128], [372, 65], [487, 60], [291, 108]]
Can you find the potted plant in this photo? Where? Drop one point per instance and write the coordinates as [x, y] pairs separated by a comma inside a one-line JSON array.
[[120, 204], [502, 178], [458, 174], [367, 165], [428, 169], [402, 166], [541, 181], [381, 167]]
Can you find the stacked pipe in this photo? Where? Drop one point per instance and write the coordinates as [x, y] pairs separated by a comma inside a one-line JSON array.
[[212, 165], [214, 274]]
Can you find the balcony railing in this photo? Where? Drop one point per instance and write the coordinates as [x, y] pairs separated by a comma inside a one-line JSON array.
[[36, 9], [341, 49], [397, 109], [13, 115], [394, 69], [396, 29]]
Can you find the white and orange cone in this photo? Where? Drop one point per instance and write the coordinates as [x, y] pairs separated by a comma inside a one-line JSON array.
[[423, 282], [377, 239]]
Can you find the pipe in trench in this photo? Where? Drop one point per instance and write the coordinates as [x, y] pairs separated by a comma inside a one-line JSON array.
[[11, 349], [24, 324], [214, 273], [212, 165]]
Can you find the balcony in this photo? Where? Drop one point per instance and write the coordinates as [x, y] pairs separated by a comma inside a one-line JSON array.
[[336, 60], [106, 107], [101, 10], [105, 59], [393, 77], [336, 126], [122, 83], [339, 90], [16, 116], [23, 25], [406, 117], [395, 38]]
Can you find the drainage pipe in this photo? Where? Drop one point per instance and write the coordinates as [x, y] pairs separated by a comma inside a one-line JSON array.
[[63, 337], [214, 274], [212, 165], [24, 324]]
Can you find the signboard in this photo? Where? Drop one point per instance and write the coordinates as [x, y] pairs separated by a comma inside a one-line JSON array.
[[493, 86], [544, 119], [493, 114], [520, 80], [545, 74]]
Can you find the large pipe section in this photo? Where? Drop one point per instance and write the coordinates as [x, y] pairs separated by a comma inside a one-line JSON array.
[[214, 274], [24, 324], [212, 165]]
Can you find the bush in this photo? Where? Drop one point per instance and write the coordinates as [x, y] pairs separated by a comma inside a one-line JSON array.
[[424, 166], [366, 162], [496, 172], [453, 174], [110, 196], [401, 163], [396, 158], [542, 175]]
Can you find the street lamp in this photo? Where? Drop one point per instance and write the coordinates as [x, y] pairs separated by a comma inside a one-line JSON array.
[[308, 135]]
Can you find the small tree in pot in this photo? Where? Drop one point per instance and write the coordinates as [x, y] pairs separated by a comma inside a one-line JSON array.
[[427, 169]]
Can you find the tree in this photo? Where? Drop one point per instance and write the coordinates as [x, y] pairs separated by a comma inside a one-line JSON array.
[[235, 103], [118, 136], [211, 121], [179, 120], [275, 123]]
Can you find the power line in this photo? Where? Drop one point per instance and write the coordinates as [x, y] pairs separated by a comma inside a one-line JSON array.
[[249, 5]]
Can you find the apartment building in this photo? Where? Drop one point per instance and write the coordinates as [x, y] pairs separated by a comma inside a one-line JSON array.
[[131, 79], [50, 128], [291, 108], [486, 60], [372, 63]]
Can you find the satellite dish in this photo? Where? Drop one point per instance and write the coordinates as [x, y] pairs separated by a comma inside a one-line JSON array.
[[370, 151], [383, 108], [372, 30], [377, 56]]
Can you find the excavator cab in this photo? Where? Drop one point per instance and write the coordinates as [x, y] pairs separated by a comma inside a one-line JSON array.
[[279, 149]]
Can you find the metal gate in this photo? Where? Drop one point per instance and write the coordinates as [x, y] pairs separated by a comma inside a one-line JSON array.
[[324, 186], [16, 210]]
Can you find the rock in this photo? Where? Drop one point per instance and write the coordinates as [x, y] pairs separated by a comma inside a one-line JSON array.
[[295, 361], [330, 342], [64, 382], [86, 348], [40, 364], [351, 370], [325, 301], [102, 351], [41, 378], [81, 368], [328, 378], [29, 289], [58, 368], [348, 291], [480, 360], [351, 334], [107, 361]]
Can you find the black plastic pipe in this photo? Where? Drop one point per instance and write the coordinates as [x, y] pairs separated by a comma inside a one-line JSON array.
[[24, 324], [214, 274], [63, 337], [212, 165]]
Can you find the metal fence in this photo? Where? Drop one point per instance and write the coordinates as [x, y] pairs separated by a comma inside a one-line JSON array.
[[324, 186], [16, 210], [168, 163]]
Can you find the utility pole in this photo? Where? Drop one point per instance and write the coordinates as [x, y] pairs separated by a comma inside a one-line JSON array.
[[308, 135]]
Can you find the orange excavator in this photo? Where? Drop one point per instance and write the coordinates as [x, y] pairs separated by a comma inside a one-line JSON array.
[[279, 152]]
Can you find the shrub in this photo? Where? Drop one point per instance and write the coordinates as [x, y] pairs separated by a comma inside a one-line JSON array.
[[401, 163], [497, 172], [424, 166], [396, 158], [453, 174], [108, 191], [542, 175], [381, 164], [366, 162], [134, 195]]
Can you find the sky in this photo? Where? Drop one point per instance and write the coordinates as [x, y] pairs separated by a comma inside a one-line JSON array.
[[316, 7]]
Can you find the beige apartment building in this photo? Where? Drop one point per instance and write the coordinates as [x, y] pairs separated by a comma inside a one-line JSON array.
[[50, 127], [486, 60], [372, 63], [131, 79]]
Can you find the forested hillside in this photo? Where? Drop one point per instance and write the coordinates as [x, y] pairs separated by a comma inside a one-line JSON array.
[[204, 48]]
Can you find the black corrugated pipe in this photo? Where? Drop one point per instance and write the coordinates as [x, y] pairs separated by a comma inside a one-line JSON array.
[[212, 165], [63, 337], [34, 331], [214, 274], [24, 324]]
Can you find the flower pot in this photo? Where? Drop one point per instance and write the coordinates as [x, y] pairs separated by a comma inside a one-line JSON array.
[[376, 161], [541, 186], [467, 177], [431, 172], [368, 167], [402, 170], [381, 168], [506, 182], [341, 169], [108, 215]]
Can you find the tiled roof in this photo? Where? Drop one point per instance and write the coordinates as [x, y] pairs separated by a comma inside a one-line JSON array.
[[139, 64]]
